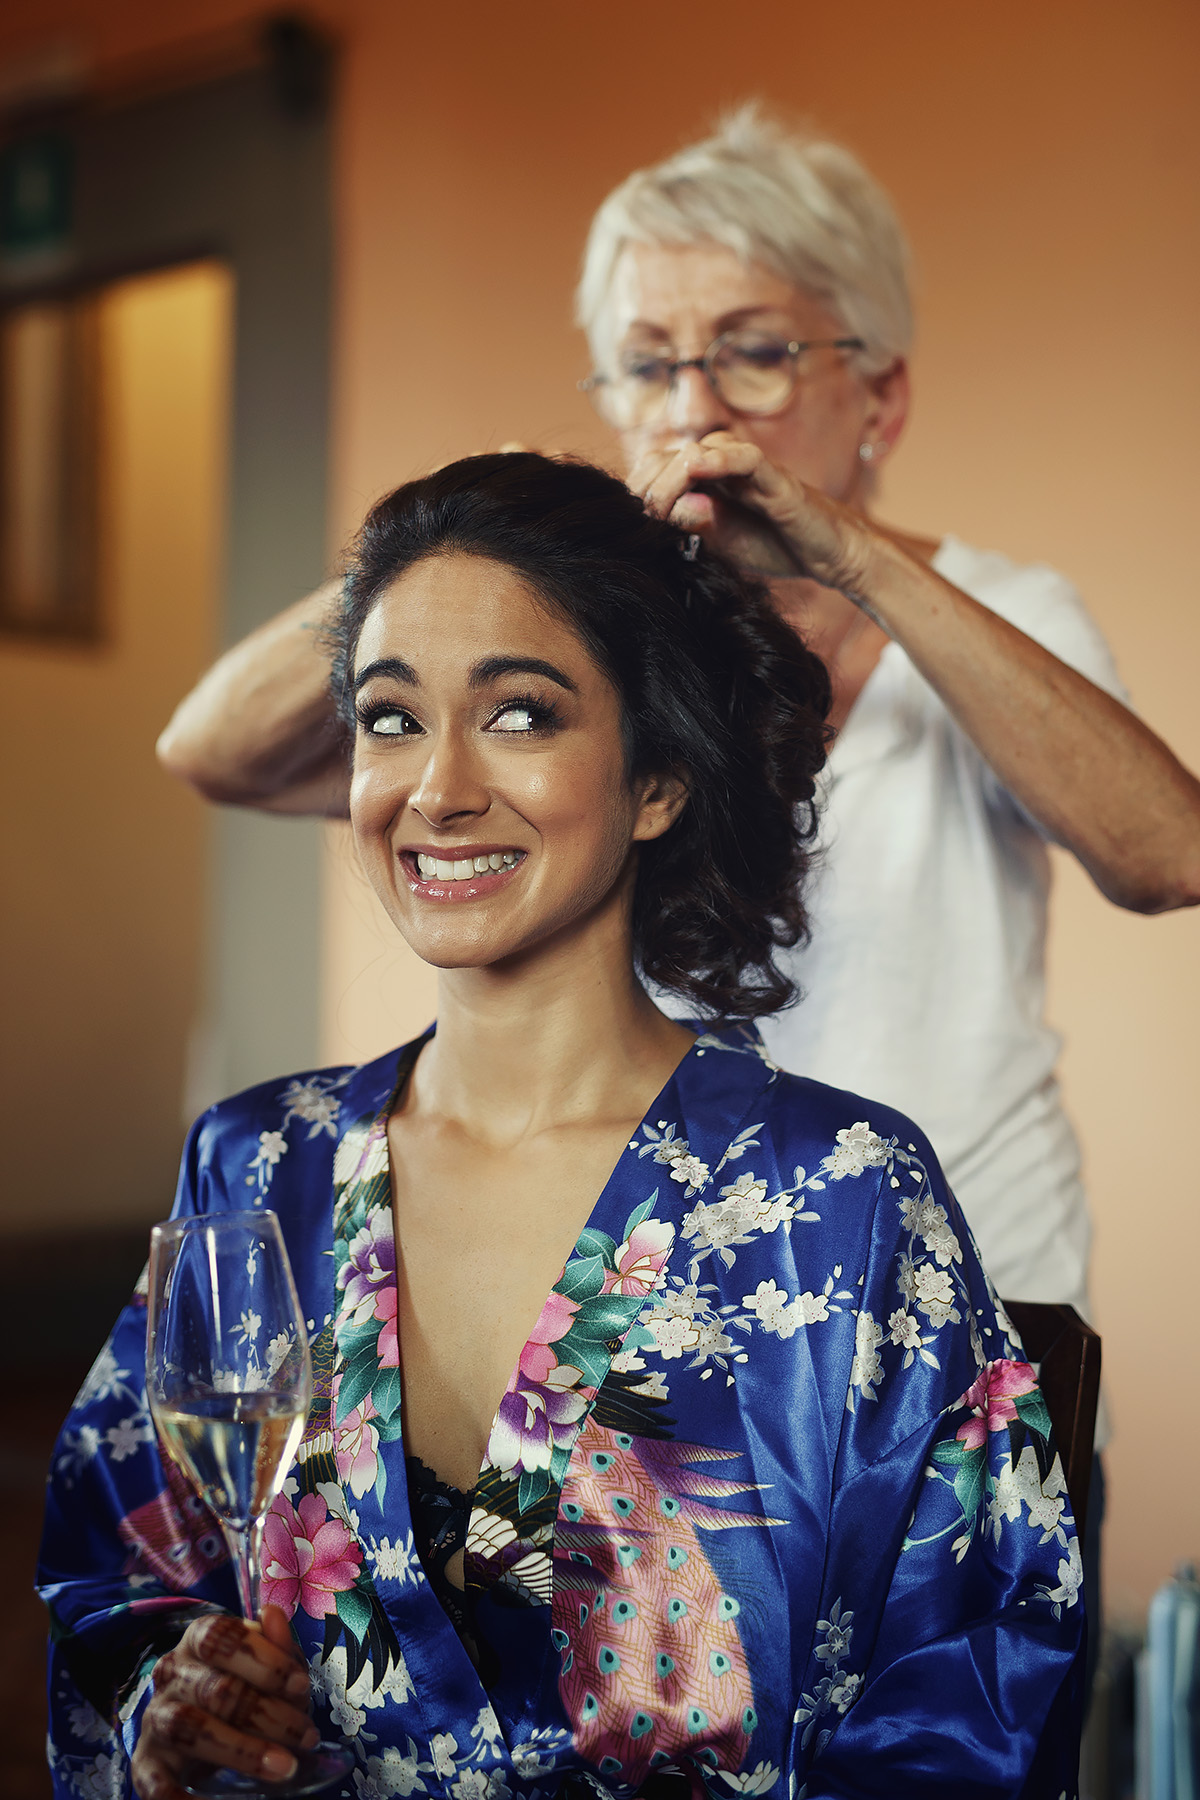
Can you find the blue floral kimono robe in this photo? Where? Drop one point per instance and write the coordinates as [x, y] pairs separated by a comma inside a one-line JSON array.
[[771, 1498]]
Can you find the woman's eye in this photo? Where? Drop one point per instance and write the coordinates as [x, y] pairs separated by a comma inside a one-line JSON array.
[[390, 724], [650, 369], [516, 718], [761, 356]]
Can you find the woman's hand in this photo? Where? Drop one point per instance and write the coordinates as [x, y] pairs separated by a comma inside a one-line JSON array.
[[812, 534], [231, 1694]]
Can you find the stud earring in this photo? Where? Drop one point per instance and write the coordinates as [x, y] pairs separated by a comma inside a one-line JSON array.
[[869, 452]]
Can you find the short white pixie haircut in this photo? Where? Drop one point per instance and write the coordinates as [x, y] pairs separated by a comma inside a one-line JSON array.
[[802, 207]]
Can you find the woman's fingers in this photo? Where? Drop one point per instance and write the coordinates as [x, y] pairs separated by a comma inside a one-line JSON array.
[[239, 1648], [661, 477], [823, 539], [231, 1694], [277, 1630], [154, 1775], [674, 481], [742, 467], [176, 1731], [678, 482], [234, 1702]]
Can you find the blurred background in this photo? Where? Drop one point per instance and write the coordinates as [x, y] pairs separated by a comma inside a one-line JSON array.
[[256, 268]]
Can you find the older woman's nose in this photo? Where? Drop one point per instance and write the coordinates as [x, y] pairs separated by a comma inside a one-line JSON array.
[[694, 408]]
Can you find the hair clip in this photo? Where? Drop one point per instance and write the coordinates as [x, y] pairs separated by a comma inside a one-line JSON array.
[[691, 549]]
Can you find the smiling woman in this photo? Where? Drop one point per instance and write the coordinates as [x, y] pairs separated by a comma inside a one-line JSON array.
[[525, 751], [568, 1353]]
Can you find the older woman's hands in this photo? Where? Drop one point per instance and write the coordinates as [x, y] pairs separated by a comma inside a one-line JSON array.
[[232, 1694], [806, 533]]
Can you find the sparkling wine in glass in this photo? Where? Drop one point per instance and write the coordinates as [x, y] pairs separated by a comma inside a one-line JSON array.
[[229, 1382]]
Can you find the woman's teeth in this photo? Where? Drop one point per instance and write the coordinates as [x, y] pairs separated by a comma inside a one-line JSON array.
[[433, 868]]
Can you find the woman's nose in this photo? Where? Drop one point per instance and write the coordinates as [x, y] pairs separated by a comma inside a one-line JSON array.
[[451, 785], [694, 408]]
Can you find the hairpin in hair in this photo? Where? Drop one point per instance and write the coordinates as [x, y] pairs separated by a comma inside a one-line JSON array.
[[691, 549]]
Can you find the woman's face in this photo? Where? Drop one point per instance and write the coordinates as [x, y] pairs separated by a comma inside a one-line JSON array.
[[490, 802], [679, 298]]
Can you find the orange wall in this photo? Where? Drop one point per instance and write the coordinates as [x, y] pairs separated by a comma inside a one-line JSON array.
[[1045, 158]]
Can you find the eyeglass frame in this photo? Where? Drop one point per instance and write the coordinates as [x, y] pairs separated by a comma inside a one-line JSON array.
[[795, 348]]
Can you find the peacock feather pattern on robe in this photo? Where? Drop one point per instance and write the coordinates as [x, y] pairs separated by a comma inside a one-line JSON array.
[[650, 1647]]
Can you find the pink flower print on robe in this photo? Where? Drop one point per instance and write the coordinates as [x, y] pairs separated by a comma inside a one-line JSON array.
[[308, 1557], [388, 1347], [640, 1259], [356, 1444], [991, 1399], [542, 1401], [553, 1323]]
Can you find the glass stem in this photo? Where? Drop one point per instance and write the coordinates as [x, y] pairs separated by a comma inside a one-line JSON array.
[[243, 1548]]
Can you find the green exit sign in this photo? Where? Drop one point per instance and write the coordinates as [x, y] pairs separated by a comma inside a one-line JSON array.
[[36, 182]]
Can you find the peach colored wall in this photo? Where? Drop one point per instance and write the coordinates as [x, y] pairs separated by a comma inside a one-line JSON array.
[[1046, 160]]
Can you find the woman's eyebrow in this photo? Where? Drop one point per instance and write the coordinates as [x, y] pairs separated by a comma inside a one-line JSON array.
[[388, 665], [726, 321], [493, 668]]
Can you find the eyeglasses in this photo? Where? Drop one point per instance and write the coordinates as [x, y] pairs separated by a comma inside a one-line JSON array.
[[749, 371]]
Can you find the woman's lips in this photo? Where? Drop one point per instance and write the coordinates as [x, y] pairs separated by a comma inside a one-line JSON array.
[[472, 887]]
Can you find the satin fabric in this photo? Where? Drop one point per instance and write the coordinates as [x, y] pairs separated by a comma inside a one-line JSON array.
[[771, 1498]]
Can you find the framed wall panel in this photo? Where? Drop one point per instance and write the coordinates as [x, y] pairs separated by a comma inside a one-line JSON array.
[[51, 386]]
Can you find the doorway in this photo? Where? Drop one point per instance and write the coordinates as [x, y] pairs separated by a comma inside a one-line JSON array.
[[194, 241], [154, 953]]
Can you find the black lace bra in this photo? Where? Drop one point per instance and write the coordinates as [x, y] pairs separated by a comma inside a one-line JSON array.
[[440, 1517]]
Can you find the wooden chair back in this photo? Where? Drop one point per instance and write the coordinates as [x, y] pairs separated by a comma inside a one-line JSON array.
[[1066, 1353]]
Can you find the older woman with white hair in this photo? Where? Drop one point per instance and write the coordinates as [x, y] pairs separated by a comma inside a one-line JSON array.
[[747, 306], [748, 311]]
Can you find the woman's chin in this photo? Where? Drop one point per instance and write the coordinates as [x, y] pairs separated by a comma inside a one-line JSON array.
[[508, 939], [445, 956], [449, 946]]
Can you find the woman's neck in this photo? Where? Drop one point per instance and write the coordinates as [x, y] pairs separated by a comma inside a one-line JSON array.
[[566, 1036]]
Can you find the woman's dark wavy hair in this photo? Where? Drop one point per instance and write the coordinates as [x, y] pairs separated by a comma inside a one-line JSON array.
[[712, 683]]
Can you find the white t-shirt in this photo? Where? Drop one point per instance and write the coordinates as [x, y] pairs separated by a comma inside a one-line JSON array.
[[923, 983]]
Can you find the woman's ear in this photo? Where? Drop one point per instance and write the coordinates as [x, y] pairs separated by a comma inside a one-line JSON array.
[[664, 797], [887, 408]]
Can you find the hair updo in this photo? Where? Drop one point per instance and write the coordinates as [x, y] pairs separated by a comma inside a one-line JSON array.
[[713, 685]]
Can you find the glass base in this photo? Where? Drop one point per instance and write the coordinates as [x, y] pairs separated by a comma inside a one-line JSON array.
[[317, 1769]]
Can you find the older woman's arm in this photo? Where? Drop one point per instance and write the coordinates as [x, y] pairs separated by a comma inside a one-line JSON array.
[[1095, 778], [259, 729]]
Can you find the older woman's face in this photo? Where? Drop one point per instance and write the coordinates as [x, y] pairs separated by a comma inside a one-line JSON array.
[[678, 298]]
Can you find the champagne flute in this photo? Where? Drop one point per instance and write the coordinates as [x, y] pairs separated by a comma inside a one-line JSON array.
[[229, 1384]]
